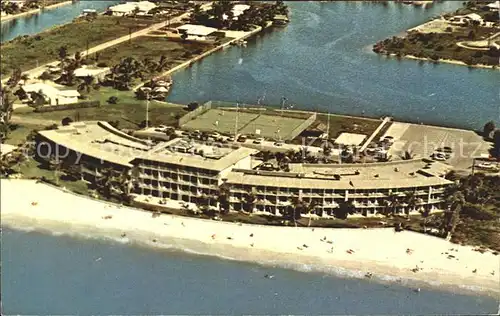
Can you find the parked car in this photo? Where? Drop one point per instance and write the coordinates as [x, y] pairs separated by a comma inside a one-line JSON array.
[[388, 140], [447, 149], [242, 139], [488, 166], [439, 156], [230, 139], [258, 141], [278, 143]]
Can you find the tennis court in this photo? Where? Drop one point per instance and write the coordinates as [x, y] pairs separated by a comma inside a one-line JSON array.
[[248, 123]]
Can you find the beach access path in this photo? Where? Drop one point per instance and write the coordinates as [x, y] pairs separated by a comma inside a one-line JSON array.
[[383, 252]]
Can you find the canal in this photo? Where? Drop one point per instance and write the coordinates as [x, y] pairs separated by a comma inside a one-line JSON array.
[[323, 60]]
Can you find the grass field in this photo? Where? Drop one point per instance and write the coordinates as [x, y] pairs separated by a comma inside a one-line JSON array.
[[128, 111], [347, 124], [29, 51], [153, 47], [31, 169]]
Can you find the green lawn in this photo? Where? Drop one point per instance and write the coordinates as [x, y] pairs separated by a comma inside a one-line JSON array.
[[29, 51], [31, 169], [143, 47], [18, 133], [347, 124], [128, 111]]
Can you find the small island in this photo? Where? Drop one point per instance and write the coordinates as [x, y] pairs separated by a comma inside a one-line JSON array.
[[470, 36]]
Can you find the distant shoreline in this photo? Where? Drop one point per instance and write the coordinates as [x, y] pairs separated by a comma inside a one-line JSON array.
[[285, 246], [9, 17], [448, 61]]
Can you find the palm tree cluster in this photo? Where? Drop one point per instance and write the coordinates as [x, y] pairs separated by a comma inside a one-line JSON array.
[[114, 184], [123, 74], [6, 108], [68, 66], [221, 15], [473, 207]]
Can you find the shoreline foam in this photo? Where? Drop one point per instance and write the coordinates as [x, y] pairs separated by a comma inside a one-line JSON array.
[[379, 251]]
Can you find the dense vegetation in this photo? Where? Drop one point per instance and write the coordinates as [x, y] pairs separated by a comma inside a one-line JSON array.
[[436, 46], [445, 43], [473, 214], [221, 15]]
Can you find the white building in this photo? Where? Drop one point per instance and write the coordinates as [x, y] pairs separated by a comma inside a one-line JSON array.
[[128, 8], [197, 32], [52, 95], [238, 10], [97, 73], [495, 6]]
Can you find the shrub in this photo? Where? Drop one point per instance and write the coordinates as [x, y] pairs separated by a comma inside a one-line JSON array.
[[193, 106], [66, 121], [477, 54], [112, 100]]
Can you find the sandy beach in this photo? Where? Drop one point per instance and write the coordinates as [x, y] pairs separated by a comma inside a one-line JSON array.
[[389, 256]]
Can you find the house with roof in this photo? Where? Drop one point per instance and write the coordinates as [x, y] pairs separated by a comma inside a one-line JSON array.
[[52, 95], [197, 32], [97, 73], [495, 6], [128, 8]]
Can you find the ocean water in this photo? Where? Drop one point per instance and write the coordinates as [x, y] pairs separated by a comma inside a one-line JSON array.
[[44, 274], [323, 60]]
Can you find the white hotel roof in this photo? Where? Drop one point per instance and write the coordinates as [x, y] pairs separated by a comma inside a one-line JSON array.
[[411, 173]]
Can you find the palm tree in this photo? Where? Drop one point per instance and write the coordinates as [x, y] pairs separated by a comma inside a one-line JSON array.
[[15, 77], [6, 106], [25, 78], [344, 209], [86, 84], [63, 54], [455, 203], [295, 209], [105, 181], [391, 204], [249, 202], [55, 165], [124, 186], [310, 208], [223, 199], [411, 202]]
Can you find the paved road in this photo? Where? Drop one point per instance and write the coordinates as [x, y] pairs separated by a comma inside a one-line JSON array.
[[33, 73], [16, 119]]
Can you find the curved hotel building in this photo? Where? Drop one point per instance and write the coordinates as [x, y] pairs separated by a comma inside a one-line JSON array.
[[190, 171]]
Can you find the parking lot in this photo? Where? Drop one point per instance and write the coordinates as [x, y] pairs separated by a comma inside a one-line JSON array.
[[422, 141]]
